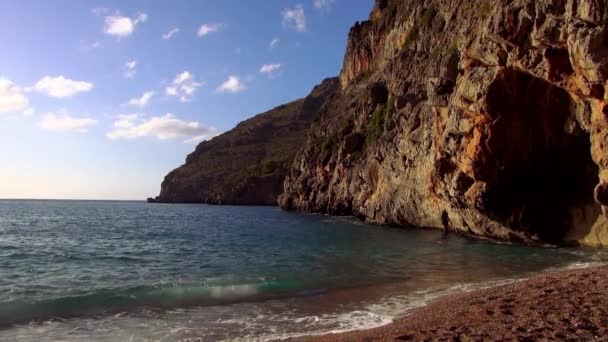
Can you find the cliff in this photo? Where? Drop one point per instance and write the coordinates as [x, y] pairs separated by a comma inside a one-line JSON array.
[[486, 118], [248, 164]]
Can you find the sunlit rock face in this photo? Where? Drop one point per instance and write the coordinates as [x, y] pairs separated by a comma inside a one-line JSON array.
[[248, 164], [486, 118]]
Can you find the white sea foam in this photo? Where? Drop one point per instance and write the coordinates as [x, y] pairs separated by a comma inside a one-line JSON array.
[[233, 290], [370, 316], [386, 310], [262, 321], [318, 325]]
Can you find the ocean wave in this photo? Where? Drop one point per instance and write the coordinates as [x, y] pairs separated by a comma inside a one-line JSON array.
[[249, 320], [384, 311], [318, 325], [254, 321], [118, 301], [370, 316]]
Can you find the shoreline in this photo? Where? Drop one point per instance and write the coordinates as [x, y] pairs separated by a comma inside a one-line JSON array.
[[562, 305]]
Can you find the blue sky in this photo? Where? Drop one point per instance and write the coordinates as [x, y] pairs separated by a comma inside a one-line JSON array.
[[100, 99]]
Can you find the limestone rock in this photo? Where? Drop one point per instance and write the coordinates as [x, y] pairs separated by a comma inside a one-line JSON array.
[[486, 118]]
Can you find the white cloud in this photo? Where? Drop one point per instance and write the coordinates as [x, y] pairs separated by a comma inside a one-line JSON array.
[[171, 33], [294, 18], [232, 85], [183, 86], [270, 68], [100, 10], [164, 127], [183, 77], [130, 70], [274, 42], [61, 87], [29, 111], [206, 29], [141, 18], [117, 25], [64, 122], [88, 45], [141, 101], [12, 98], [324, 5], [95, 45]]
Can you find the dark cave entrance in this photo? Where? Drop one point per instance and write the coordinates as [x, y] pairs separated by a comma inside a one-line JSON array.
[[536, 169]]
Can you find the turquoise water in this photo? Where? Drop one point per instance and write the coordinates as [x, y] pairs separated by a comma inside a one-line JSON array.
[[114, 271]]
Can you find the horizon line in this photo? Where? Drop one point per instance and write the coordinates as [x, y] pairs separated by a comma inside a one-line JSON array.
[[70, 199]]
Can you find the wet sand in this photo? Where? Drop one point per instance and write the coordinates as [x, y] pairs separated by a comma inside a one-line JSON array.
[[563, 306]]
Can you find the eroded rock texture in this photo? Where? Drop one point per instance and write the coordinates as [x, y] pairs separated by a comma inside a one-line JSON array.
[[487, 118]]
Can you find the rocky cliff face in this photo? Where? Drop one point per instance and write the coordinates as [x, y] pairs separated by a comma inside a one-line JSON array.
[[487, 118], [248, 164]]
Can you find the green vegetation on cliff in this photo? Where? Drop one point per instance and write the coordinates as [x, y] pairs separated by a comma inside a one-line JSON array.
[[247, 164], [496, 127]]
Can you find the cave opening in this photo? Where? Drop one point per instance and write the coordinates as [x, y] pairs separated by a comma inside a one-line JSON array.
[[539, 173]]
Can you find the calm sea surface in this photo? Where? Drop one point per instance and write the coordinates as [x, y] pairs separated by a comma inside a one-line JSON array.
[[132, 271]]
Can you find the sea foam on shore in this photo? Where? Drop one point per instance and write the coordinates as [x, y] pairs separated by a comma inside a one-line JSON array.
[[570, 304]]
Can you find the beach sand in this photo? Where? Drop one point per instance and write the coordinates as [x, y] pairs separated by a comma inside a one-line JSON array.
[[563, 306]]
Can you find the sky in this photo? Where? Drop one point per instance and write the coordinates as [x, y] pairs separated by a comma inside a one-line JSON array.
[[101, 99]]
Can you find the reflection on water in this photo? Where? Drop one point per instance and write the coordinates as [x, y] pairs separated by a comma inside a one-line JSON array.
[[107, 271]]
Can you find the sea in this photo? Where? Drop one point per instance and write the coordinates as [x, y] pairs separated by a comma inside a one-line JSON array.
[[133, 271]]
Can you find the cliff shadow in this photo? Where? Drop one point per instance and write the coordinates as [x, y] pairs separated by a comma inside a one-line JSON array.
[[538, 165]]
